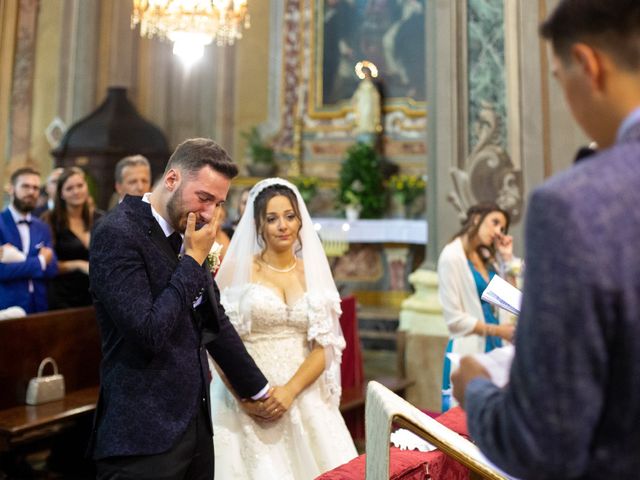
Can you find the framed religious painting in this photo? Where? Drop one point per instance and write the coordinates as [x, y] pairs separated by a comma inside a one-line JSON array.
[[388, 33]]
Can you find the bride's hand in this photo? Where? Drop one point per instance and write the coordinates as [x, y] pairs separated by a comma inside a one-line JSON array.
[[279, 401]]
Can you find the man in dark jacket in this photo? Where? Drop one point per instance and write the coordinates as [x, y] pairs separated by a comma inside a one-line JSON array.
[[158, 310]]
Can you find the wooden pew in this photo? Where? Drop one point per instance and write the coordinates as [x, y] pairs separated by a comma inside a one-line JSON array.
[[71, 337]]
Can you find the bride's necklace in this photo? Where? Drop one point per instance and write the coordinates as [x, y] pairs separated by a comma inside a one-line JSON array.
[[283, 270]]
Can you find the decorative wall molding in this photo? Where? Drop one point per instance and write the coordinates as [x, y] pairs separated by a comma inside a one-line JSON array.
[[489, 174], [295, 23], [491, 171]]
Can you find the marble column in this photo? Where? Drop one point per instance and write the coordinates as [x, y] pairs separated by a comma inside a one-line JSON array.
[[421, 314], [425, 341], [78, 59]]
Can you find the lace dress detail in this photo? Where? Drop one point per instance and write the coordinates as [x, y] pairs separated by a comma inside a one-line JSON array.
[[311, 437]]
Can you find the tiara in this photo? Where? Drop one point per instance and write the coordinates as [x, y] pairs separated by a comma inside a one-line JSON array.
[[269, 182]]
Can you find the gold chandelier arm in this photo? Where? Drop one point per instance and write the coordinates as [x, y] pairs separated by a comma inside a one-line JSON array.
[[204, 20]]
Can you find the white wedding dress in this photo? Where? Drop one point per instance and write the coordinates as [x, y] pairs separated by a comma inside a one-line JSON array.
[[311, 438]]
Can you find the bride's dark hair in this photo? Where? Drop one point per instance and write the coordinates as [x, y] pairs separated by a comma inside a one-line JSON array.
[[260, 211]]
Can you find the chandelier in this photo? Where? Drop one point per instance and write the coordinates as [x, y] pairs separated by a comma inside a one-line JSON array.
[[191, 24]]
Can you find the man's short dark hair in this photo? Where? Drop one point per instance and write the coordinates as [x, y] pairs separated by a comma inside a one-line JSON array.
[[23, 171], [195, 153], [612, 25], [130, 161]]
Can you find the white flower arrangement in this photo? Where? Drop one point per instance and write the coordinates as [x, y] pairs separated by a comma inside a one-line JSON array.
[[213, 258]]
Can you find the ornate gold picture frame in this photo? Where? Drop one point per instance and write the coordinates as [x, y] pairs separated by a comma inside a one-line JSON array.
[[389, 33]]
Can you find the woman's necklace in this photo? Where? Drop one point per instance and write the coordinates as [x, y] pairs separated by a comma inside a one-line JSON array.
[[283, 270]]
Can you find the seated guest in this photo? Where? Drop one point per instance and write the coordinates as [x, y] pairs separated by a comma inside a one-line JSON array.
[[133, 176], [465, 267], [49, 193], [71, 221], [24, 283]]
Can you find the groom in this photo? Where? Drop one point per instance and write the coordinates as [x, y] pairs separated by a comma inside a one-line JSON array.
[[158, 312]]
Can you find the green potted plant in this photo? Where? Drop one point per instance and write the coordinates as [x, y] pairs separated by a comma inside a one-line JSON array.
[[261, 155], [361, 184]]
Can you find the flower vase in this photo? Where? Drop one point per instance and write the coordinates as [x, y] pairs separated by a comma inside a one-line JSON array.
[[398, 208], [352, 212]]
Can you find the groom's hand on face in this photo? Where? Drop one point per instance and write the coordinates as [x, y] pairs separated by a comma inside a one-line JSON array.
[[197, 243]]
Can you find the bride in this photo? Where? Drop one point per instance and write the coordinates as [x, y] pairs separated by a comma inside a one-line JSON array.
[[277, 289]]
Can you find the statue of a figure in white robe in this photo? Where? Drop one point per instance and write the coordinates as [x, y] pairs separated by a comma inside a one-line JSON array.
[[366, 105]]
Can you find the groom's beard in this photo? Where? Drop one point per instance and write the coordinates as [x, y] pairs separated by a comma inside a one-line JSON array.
[[177, 217]]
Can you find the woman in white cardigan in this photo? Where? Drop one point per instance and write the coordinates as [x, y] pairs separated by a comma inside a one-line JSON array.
[[476, 253]]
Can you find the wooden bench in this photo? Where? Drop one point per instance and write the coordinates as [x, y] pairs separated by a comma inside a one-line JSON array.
[[72, 338], [69, 336]]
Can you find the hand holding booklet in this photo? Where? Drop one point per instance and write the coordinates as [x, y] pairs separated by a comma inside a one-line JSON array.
[[497, 363], [501, 293]]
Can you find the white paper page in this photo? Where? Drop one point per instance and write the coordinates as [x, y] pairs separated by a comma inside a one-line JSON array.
[[454, 358], [503, 294], [498, 363]]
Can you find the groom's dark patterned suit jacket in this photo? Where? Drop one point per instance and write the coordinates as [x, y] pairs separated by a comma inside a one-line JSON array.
[[154, 373]]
